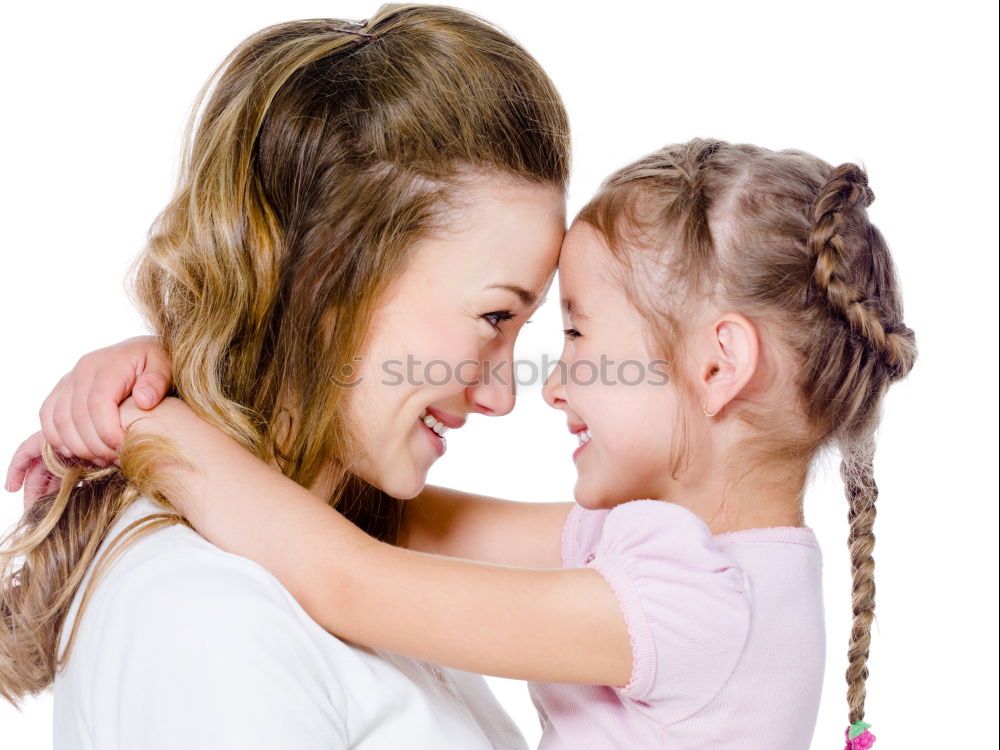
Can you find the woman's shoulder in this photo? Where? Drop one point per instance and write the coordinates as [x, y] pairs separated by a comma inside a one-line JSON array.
[[174, 562], [170, 578], [180, 628], [180, 633]]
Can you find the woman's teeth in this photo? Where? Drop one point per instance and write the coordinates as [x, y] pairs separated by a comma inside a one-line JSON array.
[[428, 420], [583, 436]]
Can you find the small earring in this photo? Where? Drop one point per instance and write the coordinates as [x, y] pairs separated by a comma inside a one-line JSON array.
[[705, 411]]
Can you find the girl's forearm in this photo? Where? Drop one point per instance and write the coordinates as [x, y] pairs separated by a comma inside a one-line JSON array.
[[475, 527], [511, 622], [233, 499]]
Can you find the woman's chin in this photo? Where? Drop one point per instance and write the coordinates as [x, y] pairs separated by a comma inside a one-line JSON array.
[[404, 487]]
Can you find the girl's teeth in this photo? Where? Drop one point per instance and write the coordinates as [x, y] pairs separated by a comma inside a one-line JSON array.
[[428, 420], [583, 436]]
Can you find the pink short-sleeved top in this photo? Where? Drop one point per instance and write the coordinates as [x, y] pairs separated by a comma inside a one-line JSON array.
[[727, 634]]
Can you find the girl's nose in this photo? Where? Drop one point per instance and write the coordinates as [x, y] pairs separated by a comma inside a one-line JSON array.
[[554, 390]]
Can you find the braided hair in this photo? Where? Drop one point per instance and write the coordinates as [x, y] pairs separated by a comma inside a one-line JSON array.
[[784, 238], [889, 347]]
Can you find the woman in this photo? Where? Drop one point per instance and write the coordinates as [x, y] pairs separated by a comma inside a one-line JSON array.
[[353, 194]]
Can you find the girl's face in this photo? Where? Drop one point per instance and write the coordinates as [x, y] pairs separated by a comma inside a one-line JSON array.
[[613, 390], [441, 344]]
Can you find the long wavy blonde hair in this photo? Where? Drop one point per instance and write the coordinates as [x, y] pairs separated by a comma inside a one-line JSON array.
[[783, 238], [318, 154]]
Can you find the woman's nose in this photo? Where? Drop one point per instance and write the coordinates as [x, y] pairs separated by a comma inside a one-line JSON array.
[[495, 392], [554, 390]]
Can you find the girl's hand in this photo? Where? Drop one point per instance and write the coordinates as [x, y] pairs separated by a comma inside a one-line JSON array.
[[80, 417], [28, 469]]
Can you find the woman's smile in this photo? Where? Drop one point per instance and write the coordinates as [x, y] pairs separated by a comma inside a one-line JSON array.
[[454, 312], [435, 423]]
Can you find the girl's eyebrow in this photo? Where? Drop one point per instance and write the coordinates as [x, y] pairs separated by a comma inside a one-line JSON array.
[[572, 308], [528, 298]]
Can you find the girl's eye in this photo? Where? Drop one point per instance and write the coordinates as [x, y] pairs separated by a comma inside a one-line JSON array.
[[498, 317], [572, 333]]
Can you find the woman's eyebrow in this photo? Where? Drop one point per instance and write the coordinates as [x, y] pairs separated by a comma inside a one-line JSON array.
[[528, 298]]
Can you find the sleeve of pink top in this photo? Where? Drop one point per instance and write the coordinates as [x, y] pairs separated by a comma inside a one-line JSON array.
[[686, 603], [580, 534]]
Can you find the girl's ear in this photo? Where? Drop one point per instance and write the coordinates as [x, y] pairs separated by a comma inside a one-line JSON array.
[[730, 360]]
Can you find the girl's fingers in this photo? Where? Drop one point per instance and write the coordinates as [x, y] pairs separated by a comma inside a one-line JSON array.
[[103, 398], [45, 414], [27, 452], [86, 402], [153, 382], [80, 416], [104, 414], [38, 482], [99, 452], [65, 425]]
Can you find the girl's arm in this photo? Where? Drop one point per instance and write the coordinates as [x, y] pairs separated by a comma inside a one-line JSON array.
[[80, 418], [474, 527], [561, 625]]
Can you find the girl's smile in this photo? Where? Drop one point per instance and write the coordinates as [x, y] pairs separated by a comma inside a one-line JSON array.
[[632, 417], [583, 435]]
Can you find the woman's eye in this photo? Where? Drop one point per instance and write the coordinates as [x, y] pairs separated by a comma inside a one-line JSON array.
[[498, 317], [572, 333]]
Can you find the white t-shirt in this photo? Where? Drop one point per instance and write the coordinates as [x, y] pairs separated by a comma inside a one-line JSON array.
[[184, 646]]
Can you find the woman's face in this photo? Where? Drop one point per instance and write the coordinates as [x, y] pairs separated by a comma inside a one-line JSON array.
[[441, 343]]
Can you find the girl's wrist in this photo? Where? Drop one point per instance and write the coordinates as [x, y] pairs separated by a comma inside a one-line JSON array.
[[157, 420], [170, 468]]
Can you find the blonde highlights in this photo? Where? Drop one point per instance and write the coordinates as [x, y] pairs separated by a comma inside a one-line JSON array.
[[783, 238], [316, 159]]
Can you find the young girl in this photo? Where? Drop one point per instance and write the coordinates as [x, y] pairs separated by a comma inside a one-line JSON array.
[[688, 611]]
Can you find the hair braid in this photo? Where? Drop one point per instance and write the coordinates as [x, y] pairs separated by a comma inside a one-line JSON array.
[[845, 191], [690, 169], [856, 469], [858, 302]]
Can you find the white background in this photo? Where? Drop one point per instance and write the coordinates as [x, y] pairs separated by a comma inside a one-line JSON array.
[[94, 96]]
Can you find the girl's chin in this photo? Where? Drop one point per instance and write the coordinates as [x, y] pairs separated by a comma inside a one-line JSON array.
[[591, 496], [586, 497]]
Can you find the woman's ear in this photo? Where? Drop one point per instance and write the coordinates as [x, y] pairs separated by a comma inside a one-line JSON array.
[[730, 360]]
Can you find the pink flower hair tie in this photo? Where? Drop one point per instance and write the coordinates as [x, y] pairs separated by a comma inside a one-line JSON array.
[[858, 736]]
